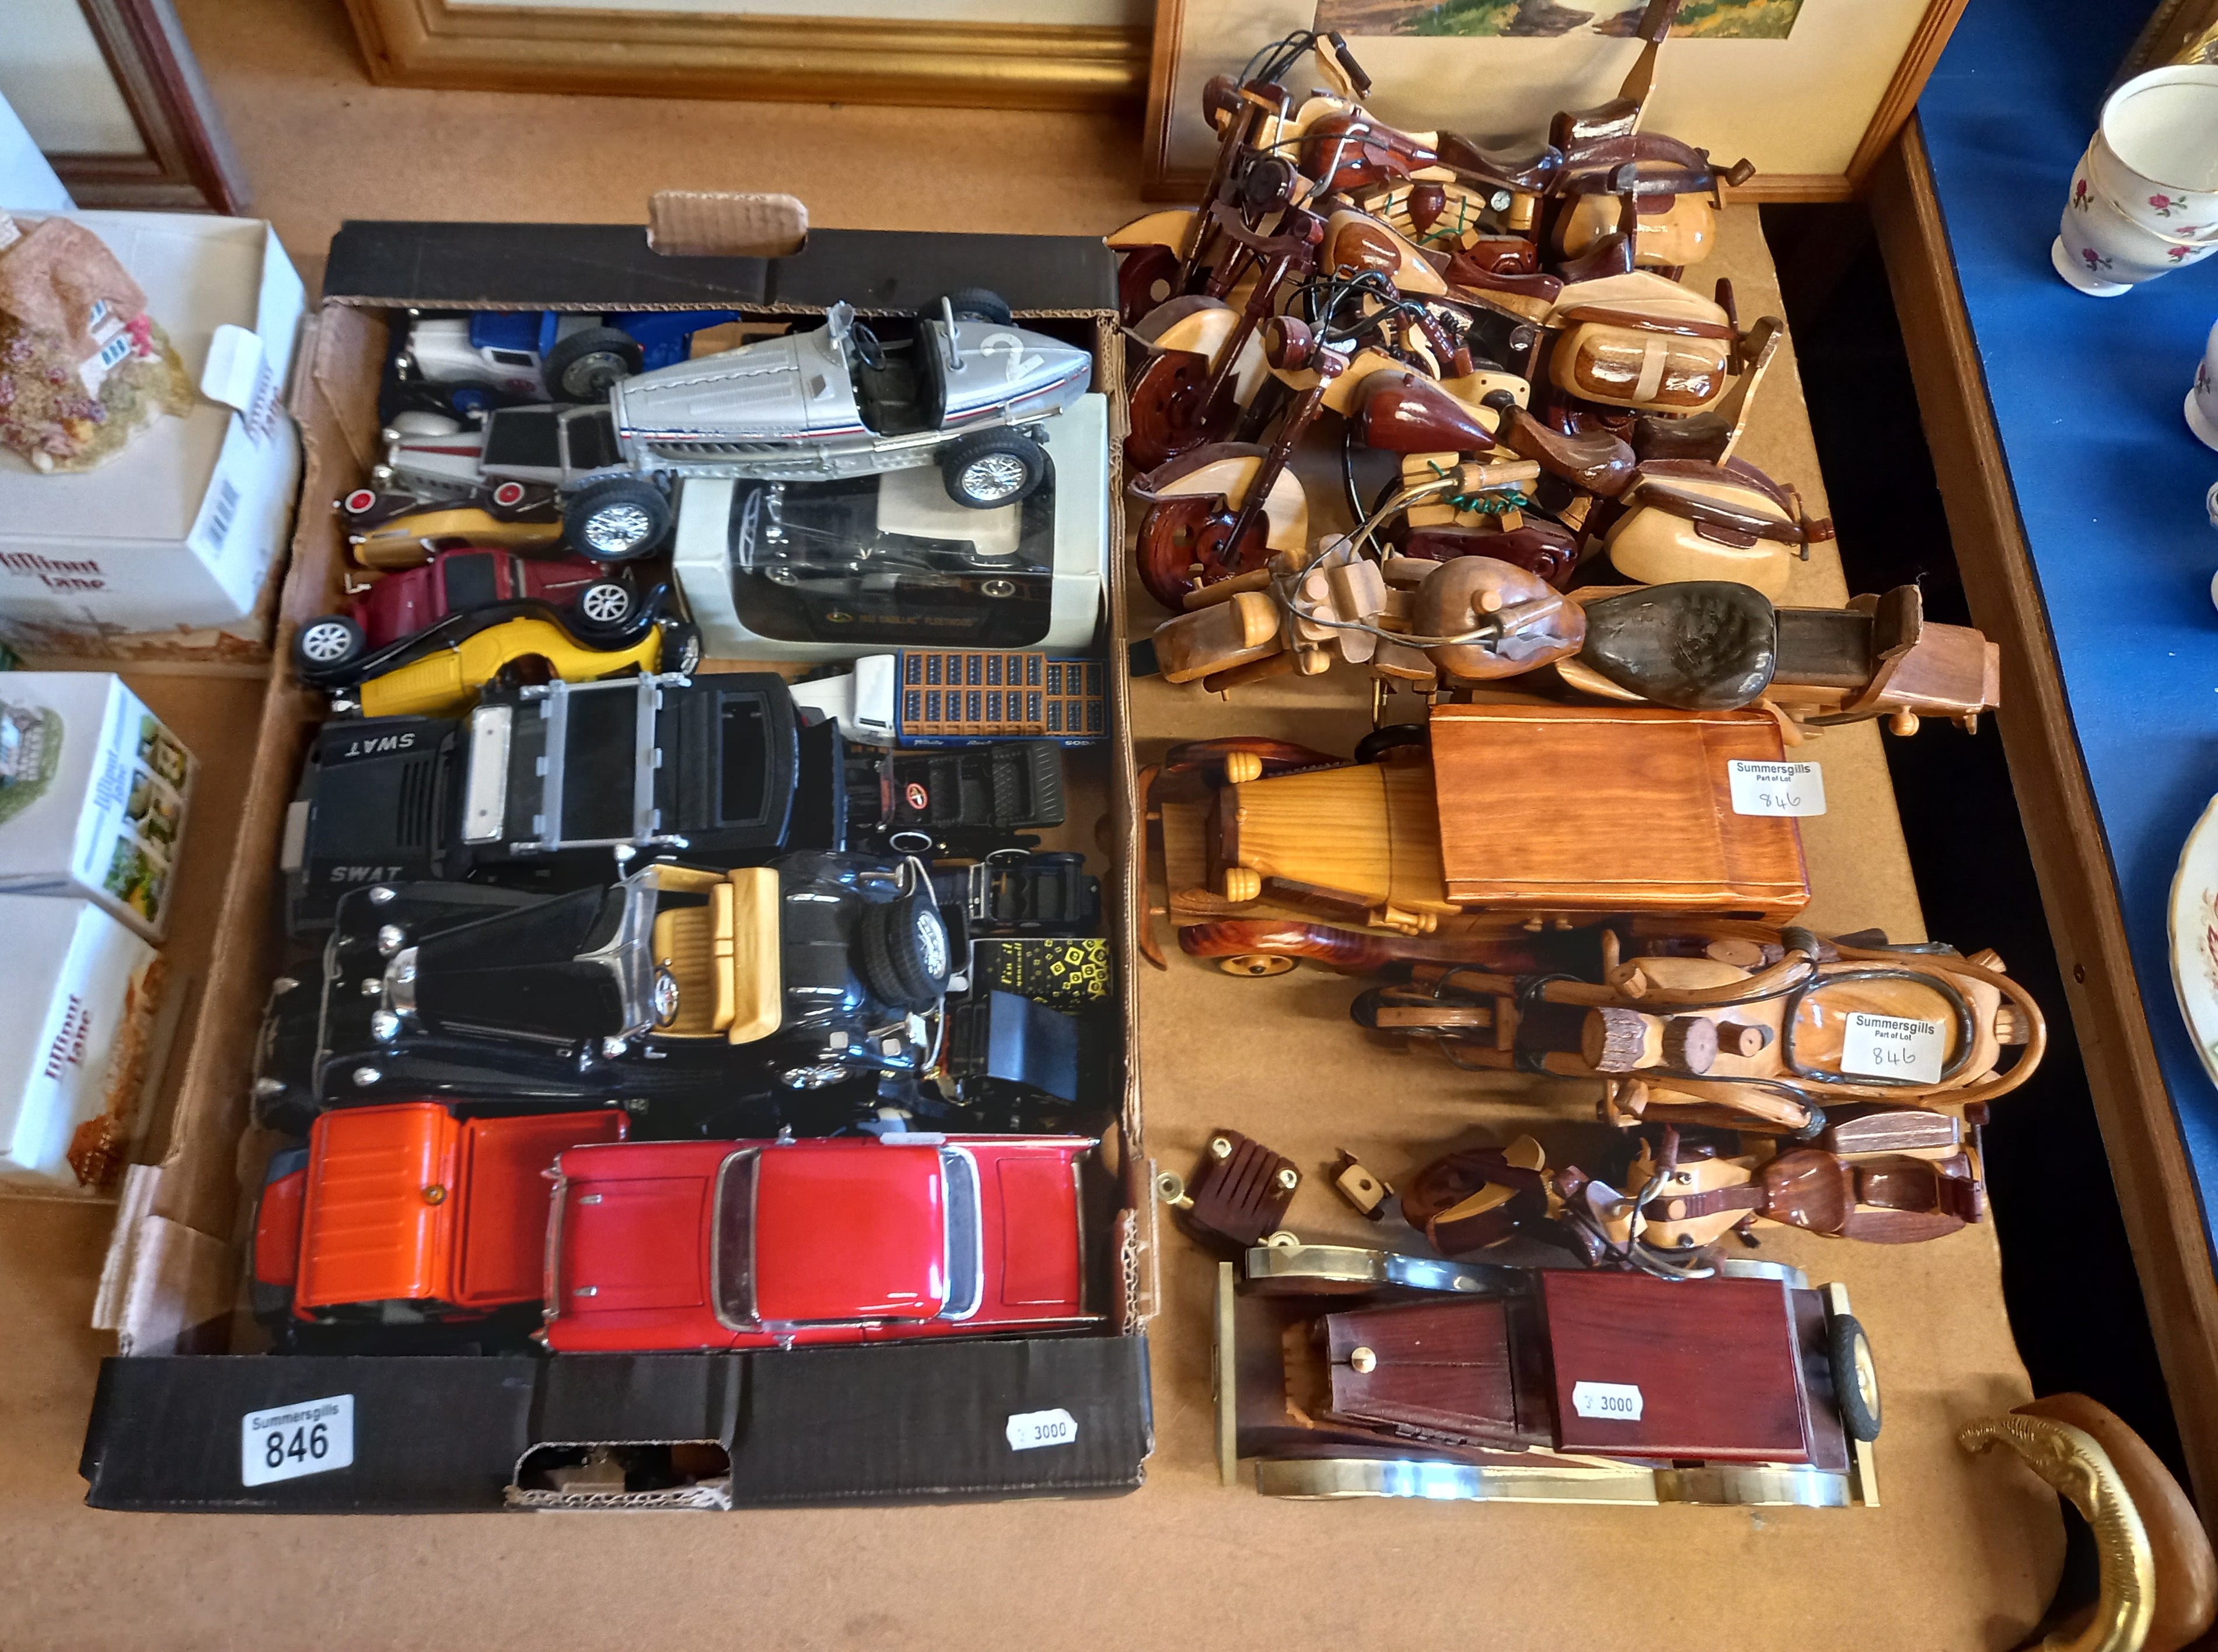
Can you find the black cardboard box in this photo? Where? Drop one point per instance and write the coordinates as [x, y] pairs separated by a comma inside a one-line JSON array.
[[918, 1422]]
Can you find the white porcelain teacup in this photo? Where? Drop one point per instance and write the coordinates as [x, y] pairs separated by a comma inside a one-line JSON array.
[[2144, 194], [2202, 399]]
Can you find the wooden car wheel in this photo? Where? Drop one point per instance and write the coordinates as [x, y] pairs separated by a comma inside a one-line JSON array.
[[1255, 965], [1166, 410], [1186, 543], [1147, 276]]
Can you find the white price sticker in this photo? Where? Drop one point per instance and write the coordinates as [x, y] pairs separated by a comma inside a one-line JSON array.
[[1776, 788], [284, 1442], [1893, 1047], [1619, 1401], [1030, 1430]]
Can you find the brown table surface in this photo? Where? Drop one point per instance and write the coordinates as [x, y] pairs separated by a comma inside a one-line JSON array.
[[1961, 1553]]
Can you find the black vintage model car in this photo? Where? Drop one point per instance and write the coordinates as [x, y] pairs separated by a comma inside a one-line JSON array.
[[811, 563], [540, 783], [807, 991]]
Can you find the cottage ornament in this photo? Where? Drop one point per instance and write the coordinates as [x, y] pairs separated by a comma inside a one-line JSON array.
[[83, 366]]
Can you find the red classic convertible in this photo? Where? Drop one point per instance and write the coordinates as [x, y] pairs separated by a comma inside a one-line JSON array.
[[676, 1245]]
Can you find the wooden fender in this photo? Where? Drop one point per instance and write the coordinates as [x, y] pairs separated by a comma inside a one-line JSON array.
[[1203, 331], [1172, 228]]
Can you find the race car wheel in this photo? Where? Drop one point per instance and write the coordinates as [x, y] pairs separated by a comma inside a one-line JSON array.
[[616, 520], [905, 955], [604, 605], [1856, 1378], [993, 468], [324, 645], [584, 366], [980, 304]]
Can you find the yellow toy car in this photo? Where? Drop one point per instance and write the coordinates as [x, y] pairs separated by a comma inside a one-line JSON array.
[[437, 671], [408, 541]]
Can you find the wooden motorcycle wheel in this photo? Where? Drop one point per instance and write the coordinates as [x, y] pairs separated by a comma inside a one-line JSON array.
[[1186, 543], [1147, 276], [1166, 410]]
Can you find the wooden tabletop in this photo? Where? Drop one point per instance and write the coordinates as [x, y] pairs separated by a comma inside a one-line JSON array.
[[1962, 1551]]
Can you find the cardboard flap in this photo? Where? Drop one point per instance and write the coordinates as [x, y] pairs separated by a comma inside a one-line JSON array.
[[234, 367], [710, 224]]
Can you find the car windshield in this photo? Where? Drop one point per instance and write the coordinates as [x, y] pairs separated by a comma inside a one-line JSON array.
[[732, 1266], [965, 1253]]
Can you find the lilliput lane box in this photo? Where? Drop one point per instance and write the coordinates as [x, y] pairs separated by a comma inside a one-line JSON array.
[[93, 794]]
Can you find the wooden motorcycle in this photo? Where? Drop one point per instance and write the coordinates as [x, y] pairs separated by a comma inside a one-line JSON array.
[[1766, 1048]]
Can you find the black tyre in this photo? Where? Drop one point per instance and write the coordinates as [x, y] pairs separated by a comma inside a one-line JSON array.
[[993, 468], [1380, 745], [1855, 1376], [584, 366], [604, 605], [980, 304], [617, 520], [325, 645], [904, 953], [681, 648]]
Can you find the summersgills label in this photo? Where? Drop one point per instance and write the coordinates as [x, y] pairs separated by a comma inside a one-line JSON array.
[[288, 1441], [1030, 1430], [1776, 788], [1893, 1047], [1616, 1402]]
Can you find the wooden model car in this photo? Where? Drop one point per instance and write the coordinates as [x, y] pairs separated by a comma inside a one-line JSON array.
[[406, 1217], [460, 580], [1536, 809], [687, 1244], [808, 987], [1549, 1384]]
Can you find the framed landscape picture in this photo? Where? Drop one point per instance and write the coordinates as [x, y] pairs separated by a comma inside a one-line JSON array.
[[1812, 91]]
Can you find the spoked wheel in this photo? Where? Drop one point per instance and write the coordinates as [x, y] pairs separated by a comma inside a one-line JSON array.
[[1255, 965], [326, 645], [1147, 276], [1166, 411], [1186, 543]]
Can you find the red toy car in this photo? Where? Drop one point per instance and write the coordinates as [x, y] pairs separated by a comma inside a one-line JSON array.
[[460, 580], [682, 1245]]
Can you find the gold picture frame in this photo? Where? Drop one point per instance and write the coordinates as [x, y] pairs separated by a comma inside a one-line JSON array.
[[526, 48], [1191, 43]]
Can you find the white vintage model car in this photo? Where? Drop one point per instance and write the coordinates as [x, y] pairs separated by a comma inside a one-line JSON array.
[[958, 389]]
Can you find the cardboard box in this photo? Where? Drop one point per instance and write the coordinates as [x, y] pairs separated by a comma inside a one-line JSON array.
[[94, 794], [78, 997], [166, 551], [891, 1423]]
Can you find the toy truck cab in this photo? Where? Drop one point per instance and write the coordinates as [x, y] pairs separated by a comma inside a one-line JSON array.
[[407, 1215], [548, 353], [542, 784], [778, 1244]]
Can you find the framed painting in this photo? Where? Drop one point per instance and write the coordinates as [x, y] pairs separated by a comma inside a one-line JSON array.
[[110, 92], [1812, 91], [963, 53]]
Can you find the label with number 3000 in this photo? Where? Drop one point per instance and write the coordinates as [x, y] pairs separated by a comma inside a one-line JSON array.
[[1030, 1430], [287, 1441]]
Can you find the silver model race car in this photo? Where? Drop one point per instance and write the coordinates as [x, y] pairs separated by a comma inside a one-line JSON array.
[[960, 390]]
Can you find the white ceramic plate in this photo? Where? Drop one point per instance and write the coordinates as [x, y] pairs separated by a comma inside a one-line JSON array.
[[2194, 925]]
